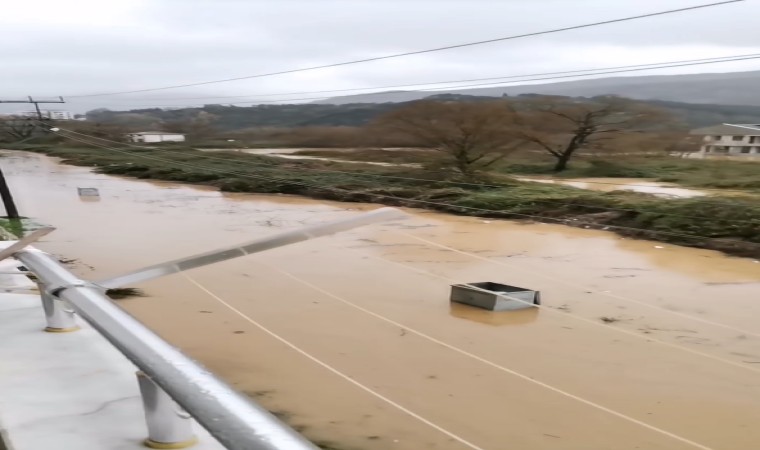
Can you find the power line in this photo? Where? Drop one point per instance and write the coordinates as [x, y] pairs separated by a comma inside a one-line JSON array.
[[735, 364], [514, 373], [578, 317], [418, 52], [608, 72], [456, 87], [715, 59], [36, 103], [458, 183], [537, 272], [522, 266], [409, 200]]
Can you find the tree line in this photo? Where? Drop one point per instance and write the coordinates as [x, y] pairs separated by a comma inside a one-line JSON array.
[[475, 135], [471, 135]]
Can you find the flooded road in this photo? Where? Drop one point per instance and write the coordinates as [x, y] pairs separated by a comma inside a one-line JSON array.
[[352, 338]]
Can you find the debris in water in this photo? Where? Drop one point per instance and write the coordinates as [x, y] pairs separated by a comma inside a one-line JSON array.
[[658, 246], [88, 192], [494, 296], [122, 293]]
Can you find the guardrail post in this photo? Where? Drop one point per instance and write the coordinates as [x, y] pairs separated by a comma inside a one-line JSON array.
[[59, 317], [169, 426]]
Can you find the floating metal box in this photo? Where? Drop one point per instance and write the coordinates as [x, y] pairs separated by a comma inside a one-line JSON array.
[[501, 297], [88, 192]]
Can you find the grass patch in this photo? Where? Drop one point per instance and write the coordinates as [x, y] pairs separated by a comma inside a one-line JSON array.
[[16, 228], [715, 174], [729, 224]]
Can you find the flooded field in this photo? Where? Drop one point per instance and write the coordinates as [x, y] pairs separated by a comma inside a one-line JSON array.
[[642, 185], [638, 344], [291, 153], [623, 184]]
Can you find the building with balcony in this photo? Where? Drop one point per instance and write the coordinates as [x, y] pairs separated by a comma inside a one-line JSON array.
[[729, 140]]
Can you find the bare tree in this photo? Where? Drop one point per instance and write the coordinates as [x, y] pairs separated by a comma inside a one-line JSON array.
[[473, 135], [562, 127], [18, 128]]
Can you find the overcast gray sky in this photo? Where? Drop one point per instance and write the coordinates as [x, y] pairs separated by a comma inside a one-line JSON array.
[[55, 47]]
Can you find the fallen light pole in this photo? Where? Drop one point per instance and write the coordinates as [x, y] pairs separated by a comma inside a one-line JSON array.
[[166, 373]]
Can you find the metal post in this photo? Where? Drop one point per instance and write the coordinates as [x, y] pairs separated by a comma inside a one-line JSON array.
[[36, 107], [5, 193], [58, 315], [169, 426]]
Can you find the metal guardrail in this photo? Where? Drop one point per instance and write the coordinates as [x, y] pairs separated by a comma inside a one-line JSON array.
[[165, 373]]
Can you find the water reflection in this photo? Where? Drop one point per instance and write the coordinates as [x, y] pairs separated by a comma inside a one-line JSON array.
[[495, 318]]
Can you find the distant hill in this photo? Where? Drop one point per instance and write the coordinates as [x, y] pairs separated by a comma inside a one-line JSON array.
[[230, 118], [733, 88]]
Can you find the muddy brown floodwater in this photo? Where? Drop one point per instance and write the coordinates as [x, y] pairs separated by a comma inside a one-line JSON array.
[[352, 339]]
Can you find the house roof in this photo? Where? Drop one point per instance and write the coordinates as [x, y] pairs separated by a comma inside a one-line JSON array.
[[151, 133], [744, 129]]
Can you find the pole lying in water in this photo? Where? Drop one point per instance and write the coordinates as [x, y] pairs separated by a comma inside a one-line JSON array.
[[235, 421], [256, 246]]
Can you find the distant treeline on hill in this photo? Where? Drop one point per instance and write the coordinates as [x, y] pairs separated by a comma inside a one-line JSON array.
[[231, 118]]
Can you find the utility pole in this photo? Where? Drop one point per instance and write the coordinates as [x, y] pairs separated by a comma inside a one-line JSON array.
[[5, 192], [36, 104], [37, 108]]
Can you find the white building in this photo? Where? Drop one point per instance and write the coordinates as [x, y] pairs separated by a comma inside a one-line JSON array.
[[156, 136], [49, 114], [730, 140]]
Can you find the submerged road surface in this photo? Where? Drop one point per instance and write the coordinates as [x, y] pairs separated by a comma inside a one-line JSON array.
[[639, 345]]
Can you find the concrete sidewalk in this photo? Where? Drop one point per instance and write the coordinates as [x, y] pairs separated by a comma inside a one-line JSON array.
[[65, 390]]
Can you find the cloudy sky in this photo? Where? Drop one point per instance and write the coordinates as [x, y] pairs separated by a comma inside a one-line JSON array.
[[76, 47]]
